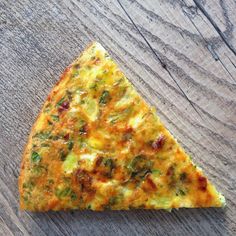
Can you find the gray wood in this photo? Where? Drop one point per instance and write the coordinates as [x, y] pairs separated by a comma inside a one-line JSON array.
[[180, 55]]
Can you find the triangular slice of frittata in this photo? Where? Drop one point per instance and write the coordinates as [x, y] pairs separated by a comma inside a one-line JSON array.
[[98, 145]]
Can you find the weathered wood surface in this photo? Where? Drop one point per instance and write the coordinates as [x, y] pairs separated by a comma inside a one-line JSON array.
[[180, 54]]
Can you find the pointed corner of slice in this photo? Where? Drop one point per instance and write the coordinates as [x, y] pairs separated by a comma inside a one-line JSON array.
[[97, 144]]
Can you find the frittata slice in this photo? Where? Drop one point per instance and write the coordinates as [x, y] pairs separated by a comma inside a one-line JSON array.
[[98, 145]]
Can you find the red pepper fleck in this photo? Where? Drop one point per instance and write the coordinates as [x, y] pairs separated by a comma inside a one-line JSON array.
[[127, 134], [202, 181], [128, 129], [158, 144], [84, 179], [64, 106], [170, 171], [66, 137], [98, 161], [151, 183]]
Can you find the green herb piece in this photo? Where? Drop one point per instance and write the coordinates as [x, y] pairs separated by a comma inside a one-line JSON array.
[[75, 74], [94, 86], [35, 157], [113, 118], [140, 166], [29, 185], [73, 196], [70, 144], [181, 192], [55, 137], [51, 181], [112, 202], [61, 193], [60, 101], [55, 117], [156, 172], [109, 163], [82, 122], [45, 145], [42, 135], [62, 155], [105, 97], [183, 176], [38, 170], [49, 122]]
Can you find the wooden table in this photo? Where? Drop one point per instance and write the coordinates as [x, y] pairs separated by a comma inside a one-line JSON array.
[[180, 55]]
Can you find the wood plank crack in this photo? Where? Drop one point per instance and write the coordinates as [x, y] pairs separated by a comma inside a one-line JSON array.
[[213, 23], [209, 45]]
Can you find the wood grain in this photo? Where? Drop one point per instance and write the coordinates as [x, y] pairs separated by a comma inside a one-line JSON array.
[[180, 55]]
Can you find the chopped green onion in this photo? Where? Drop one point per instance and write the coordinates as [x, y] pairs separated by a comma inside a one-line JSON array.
[[181, 192], [183, 176], [70, 144], [105, 97], [156, 171], [73, 196], [60, 101], [42, 135], [55, 117], [35, 157], [60, 193]]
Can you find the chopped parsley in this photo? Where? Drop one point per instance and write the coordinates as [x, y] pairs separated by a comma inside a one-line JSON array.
[[70, 144], [156, 172], [140, 166], [60, 101], [183, 176], [110, 165], [62, 155], [42, 135], [180, 192], [105, 98], [73, 196], [35, 157], [55, 117], [75, 74], [60, 193]]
